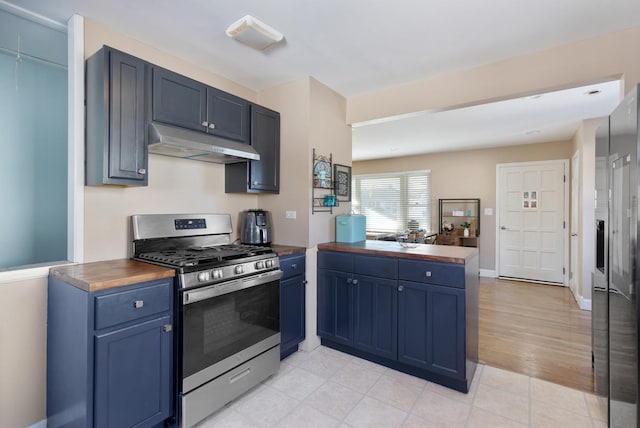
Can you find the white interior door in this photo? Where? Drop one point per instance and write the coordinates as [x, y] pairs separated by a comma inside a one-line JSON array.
[[531, 222], [575, 189]]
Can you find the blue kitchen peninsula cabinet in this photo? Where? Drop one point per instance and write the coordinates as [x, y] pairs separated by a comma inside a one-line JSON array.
[[292, 297], [414, 310], [110, 345]]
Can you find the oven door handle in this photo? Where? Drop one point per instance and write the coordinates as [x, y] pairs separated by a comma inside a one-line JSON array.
[[222, 288]]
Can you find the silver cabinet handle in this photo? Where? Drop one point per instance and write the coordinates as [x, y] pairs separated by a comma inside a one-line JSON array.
[[355, 282], [142, 171], [167, 328], [349, 280], [138, 304], [574, 234], [428, 274], [212, 125], [503, 227], [400, 288], [205, 123], [294, 266]]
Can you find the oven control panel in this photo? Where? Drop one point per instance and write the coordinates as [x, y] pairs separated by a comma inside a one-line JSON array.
[[190, 223], [226, 273]]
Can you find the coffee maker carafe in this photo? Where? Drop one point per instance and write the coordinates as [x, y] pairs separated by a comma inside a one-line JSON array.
[[255, 227]]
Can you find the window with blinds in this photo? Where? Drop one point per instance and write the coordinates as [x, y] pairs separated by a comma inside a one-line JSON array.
[[390, 200]]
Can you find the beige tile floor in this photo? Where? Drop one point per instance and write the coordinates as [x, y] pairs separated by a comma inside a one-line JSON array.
[[327, 388]]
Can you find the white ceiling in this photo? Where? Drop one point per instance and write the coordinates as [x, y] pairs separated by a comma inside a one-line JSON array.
[[553, 116], [360, 46]]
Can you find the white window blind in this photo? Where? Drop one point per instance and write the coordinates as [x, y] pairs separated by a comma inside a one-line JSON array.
[[390, 200]]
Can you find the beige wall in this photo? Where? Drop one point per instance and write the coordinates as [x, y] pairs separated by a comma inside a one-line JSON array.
[[584, 145], [469, 174], [588, 61], [292, 101], [23, 308]]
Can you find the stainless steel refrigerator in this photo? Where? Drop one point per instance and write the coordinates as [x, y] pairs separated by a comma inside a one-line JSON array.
[[615, 314]]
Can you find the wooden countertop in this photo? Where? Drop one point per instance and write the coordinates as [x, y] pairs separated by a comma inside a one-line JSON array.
[[110, 274], [436, 253], [287, 250]]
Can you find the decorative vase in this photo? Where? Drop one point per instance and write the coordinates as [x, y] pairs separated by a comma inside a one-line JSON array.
[[466, 232]]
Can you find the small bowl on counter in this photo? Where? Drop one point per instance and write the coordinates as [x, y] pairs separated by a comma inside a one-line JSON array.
[[410, 240]]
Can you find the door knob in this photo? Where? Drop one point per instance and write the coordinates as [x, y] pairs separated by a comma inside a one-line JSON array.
[[142, 171], [205, 123]]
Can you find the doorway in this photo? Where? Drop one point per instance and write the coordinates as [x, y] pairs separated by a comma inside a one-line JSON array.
[[531, 218]]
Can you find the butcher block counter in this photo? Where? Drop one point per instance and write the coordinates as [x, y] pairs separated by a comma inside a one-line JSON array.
[[436, 253], [412, 309], [109, 274], [287, 250]]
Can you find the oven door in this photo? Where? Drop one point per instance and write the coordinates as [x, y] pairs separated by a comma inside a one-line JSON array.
[[227, 324]]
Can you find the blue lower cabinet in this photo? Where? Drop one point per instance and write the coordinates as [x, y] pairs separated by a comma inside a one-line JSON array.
[[375, 315], [387, 310], [335, 300], [358, 311], [133, 369], [110, 355], [292, 303], [431, 328]]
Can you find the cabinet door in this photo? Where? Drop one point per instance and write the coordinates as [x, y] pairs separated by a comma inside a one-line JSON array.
[[431, 327], [127, 148], [264, 174], [261, 176], [335, 316], [228, 115], [133, 368], [292, 313], [375, 315], [178, 100]]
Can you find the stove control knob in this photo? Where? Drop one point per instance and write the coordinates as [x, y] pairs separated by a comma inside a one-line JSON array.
[[269, 263], [216, 274], [260, 265], [203, 276], [239, 269]]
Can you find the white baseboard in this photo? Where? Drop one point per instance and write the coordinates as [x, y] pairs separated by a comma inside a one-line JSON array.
[[584, 304], [40, 424], [489, 273]]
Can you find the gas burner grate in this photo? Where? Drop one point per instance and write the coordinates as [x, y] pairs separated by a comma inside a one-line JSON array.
[[204, 255]]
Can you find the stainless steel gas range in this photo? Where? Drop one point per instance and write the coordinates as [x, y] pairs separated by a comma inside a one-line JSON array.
[[227, 312]]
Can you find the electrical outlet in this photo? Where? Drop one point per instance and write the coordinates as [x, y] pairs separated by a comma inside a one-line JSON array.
[[291, 215]]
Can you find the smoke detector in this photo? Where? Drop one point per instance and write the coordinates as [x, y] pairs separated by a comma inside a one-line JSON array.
[[254, 33]]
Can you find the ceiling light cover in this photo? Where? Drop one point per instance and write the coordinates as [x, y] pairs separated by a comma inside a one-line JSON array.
[[254, 33]]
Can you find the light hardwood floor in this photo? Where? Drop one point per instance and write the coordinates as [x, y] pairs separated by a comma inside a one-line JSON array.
[[537, 330]]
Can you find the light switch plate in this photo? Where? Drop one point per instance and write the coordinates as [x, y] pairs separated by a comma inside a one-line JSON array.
[[488, 211], [291, 215]]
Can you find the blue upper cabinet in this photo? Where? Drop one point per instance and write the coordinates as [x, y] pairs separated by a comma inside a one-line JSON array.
[[261, 176], [180, 101], [228, 116], [116, 117]]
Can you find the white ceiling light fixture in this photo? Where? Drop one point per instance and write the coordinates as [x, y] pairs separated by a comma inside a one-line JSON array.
[[254, 33]]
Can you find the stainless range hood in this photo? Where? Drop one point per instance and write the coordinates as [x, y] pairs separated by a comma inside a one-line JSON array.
[[182, 143]]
